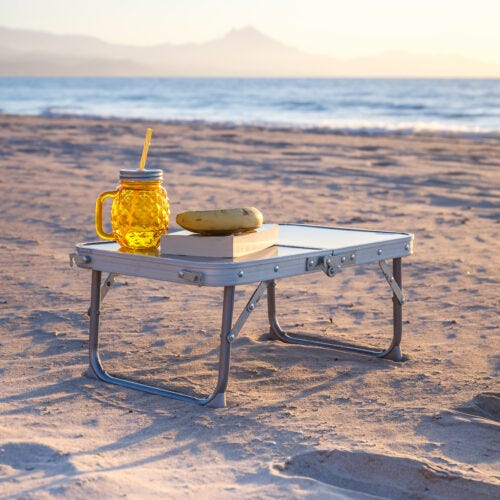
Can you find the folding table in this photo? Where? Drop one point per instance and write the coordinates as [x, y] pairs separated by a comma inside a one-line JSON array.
[[301, 249]]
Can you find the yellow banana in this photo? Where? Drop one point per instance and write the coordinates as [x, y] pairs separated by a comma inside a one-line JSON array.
[[224, 221]]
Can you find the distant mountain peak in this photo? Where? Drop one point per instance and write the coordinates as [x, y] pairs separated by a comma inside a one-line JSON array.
[[248, 34], [245, 31]]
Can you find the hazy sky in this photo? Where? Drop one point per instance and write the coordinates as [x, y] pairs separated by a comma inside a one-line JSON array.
[[342, 29]]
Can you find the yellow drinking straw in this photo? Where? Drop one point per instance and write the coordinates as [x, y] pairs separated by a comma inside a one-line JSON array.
[[147, 142]]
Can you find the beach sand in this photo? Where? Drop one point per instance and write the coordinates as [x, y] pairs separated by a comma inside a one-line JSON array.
[[300, 422]]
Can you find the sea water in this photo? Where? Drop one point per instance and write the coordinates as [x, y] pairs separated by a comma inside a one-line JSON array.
[[370, 105]]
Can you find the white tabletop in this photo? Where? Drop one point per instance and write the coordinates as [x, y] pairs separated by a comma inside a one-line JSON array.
[[296, 245]]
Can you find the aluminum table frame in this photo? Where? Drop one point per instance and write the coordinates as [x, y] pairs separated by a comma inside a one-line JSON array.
[[301, 249]]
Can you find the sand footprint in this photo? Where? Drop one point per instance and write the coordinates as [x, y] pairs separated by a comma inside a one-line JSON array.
[[485, 404], [19, 458], [385, 476]]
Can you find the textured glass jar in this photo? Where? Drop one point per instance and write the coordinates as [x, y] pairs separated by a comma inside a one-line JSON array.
[[140, 212]]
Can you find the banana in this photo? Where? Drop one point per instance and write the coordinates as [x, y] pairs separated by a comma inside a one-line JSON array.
[[221, 222]]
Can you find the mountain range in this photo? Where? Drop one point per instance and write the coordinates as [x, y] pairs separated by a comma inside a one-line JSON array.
[[242, 52]]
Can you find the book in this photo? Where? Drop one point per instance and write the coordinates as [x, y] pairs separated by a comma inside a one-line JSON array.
[[231, 246]]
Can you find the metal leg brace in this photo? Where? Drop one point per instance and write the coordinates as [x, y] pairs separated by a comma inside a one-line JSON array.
[[393, 352]]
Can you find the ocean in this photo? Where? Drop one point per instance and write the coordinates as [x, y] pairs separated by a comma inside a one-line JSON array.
[[365, 105]]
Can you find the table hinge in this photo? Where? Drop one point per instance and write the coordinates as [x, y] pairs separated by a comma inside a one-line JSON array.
[[79, 260], [330, 263], [105, 286], [248, 309], [191, 276], [386, 270]]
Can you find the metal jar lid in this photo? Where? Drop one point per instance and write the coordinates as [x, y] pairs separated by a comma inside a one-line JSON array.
[[154, 174]]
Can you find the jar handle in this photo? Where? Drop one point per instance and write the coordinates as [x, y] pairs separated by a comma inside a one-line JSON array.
[[98, 215]]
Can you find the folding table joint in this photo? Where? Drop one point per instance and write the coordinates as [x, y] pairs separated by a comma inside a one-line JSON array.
[[191, 276], [386, 270], [257, 294], [331, 263]]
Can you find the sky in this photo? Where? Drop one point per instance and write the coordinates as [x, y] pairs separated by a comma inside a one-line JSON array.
[[342, 29]]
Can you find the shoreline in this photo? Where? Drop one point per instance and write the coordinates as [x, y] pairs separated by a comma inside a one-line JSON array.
[[369, 131], [299, 421]]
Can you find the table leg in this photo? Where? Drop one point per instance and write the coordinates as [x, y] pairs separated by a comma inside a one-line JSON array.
[[393, 352], [216, 400], [94, 312], [218, 397]]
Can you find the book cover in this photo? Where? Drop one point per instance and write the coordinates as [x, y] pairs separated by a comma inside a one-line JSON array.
[[231, 246]]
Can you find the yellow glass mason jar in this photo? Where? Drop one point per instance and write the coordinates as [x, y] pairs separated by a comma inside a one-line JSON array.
[[140, 212]]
